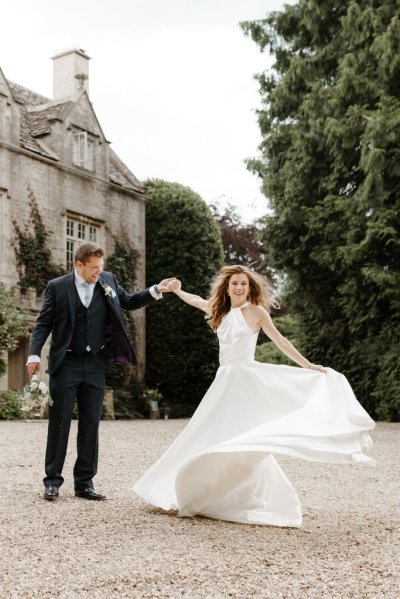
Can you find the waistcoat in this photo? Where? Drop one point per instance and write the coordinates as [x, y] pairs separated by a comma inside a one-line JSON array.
[[89, 326]]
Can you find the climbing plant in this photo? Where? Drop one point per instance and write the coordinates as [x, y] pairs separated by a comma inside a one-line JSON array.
[[128, 390], [34, 261]]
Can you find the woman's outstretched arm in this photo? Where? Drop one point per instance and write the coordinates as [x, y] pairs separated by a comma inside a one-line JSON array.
[[282, 343], [189, 298]]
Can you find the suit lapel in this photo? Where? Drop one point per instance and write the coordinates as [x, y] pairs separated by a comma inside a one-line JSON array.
[[111, 301], [102, 282], [119, 348], [71, 292]]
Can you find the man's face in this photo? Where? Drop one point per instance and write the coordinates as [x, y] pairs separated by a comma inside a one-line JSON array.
[[91, 270]]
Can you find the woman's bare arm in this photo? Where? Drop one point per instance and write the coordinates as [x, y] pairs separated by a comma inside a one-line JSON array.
[[189, 298], [282, 343]]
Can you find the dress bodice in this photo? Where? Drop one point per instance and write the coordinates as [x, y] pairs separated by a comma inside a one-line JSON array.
[[237, 342]]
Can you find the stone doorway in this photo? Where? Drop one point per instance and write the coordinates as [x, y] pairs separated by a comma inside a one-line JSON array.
[[16, 367]]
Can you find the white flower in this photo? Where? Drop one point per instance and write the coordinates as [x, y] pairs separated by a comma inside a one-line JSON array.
[[34, 398], [107, 290]]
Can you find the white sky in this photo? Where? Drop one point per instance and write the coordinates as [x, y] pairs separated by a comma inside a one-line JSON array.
[[171, 82]]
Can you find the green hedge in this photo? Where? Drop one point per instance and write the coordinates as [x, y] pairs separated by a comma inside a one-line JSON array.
[[10, 406], [183, 240]]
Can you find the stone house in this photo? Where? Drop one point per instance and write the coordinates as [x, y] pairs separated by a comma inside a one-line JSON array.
[[55, 150]]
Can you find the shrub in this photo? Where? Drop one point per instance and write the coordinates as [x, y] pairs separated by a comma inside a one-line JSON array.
[[183, 240], [10, 406]]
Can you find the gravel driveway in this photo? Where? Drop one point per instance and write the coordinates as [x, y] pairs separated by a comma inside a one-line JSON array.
[[348, 546]]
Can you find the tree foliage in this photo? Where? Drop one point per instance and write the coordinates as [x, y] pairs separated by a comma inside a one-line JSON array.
[[34, 261], [268, 352], [242, 243], [330, 165], [13, 324], [183, 240]]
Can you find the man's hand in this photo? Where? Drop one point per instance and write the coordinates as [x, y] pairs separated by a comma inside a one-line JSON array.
[[175, 285], [164, 286], [32, 367]]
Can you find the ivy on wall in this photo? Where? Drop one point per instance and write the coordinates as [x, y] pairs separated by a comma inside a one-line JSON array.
[[123, 264], [34, 262], [35, 268], [129, 401]]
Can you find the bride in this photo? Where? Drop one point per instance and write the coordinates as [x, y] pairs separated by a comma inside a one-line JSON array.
[[222, 464]]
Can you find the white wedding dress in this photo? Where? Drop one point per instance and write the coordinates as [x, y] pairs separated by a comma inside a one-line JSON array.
[[222, 464]]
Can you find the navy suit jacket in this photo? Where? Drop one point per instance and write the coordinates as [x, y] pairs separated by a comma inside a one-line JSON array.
[[58, 317]]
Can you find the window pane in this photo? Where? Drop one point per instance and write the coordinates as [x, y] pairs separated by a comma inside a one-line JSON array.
[[70, 227], [75, 157], [77, 232], [81, 231], [79, 148], [70, 254], [82, 150], [93, 234], [89, 155], [82, 147]]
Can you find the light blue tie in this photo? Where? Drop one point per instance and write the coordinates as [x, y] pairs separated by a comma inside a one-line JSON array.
[[88, 294]]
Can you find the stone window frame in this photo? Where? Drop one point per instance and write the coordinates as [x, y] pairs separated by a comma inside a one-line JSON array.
[[5, 116], [79, 229], [83, 150], [3, 198]]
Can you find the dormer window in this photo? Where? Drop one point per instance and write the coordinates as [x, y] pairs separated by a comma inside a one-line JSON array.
[[83, 150]]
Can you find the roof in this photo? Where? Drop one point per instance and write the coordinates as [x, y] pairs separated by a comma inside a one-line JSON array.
[[121, 175], [37, 115], [26, 96]]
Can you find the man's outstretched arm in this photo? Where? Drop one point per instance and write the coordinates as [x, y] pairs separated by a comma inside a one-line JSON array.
[[142, 298]]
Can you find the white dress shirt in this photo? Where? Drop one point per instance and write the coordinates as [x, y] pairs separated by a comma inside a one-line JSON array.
[[81, 287]]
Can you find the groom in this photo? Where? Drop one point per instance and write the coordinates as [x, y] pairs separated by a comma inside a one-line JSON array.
[[82, 310]]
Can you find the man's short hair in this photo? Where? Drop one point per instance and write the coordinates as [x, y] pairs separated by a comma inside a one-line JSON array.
[[86, 250]]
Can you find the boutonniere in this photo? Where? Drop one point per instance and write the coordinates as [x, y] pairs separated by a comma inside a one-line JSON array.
[[108, 291]]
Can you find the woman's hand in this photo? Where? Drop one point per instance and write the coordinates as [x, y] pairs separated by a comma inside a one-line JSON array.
[[164, 285], [317, 367], [175, 285]]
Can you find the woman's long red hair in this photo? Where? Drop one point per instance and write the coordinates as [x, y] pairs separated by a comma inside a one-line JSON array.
[[219, 301]]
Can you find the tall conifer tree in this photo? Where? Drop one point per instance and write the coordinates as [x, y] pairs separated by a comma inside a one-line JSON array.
[[330, 165]]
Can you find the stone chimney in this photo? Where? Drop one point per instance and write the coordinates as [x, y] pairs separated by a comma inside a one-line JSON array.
[[70, 73]]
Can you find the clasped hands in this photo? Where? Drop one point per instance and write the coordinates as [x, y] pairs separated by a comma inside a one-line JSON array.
[[167, 285]]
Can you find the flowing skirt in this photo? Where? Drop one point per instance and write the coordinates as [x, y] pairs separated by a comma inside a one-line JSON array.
[[222, 465]]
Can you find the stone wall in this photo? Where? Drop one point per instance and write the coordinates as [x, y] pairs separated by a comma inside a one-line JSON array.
[[58, 190]]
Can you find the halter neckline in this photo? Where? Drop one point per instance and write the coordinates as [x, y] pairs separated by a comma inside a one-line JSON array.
[[246, 303]]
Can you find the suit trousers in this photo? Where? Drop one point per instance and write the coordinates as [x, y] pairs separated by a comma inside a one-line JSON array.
[[81, 378]]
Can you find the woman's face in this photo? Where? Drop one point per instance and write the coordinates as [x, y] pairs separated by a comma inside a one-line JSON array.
[[238, 289]]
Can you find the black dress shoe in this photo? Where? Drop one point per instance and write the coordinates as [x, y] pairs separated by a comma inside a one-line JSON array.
[[89, 493], [51, 492]]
